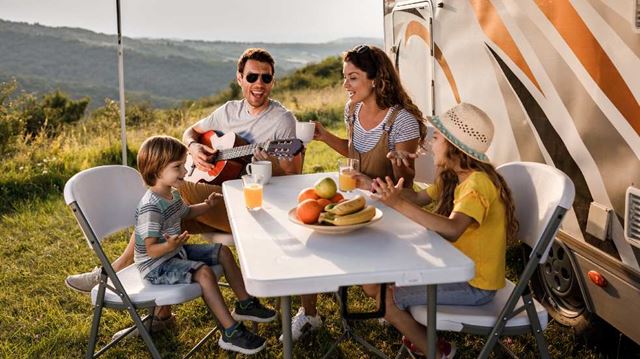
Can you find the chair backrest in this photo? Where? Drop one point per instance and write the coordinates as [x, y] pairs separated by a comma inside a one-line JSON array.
[[106, 196], [538, 190]]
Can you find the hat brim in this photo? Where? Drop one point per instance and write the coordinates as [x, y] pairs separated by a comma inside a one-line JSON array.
[[437, 123]]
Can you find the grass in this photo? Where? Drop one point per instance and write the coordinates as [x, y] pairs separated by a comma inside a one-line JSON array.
[[42, 244]]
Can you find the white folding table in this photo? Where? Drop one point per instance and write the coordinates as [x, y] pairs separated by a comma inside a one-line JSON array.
[[280, 258]]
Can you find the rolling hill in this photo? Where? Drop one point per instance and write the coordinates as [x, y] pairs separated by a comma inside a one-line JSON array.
[[160, 71]]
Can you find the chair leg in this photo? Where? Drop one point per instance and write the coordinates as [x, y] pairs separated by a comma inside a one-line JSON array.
[[536, 328], [95, 325]]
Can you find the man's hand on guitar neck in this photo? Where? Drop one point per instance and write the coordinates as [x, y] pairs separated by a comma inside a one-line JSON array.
[[202, 155]]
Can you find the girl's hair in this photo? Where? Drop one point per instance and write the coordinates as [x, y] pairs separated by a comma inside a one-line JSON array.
[[156, 153], [447, 180], [388, 89]]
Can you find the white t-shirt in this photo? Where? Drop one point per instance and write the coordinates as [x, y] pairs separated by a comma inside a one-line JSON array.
[[405, 128], [274, 123]]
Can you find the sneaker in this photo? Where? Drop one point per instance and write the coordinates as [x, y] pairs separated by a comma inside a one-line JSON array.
[[242, 341], [302, 324], [157, 325], [447, 349], [254, 311], [84, 282]]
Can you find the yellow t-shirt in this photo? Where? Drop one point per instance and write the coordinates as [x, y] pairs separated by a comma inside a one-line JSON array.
[[485, 240]]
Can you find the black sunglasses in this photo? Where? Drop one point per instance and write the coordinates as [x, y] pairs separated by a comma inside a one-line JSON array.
[[266, 78]]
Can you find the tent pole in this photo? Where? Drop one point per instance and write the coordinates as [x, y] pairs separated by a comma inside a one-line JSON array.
[[123, 129]]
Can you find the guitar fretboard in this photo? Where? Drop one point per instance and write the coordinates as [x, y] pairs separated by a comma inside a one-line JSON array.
[[240, 151]]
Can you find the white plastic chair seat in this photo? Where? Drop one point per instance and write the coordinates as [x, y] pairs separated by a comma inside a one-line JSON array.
[[140, 291], [454, 317]]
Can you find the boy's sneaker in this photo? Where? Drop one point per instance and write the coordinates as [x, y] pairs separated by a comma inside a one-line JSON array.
[[447, 349], [302, 324], [156, 326], [84, 282], [242, 341], [254, 311]]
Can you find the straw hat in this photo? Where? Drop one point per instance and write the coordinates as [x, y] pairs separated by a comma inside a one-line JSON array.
[[468, 128]]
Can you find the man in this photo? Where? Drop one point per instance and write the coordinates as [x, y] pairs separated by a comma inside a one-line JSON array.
[[255, 118]]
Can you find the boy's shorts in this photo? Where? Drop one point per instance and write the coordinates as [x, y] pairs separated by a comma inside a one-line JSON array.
[[448, 294], [179, 271]]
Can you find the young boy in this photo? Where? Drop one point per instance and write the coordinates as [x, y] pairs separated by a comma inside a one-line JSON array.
[[162, 256]]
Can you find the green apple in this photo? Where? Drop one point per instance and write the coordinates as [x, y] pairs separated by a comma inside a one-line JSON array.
[[326, 188]]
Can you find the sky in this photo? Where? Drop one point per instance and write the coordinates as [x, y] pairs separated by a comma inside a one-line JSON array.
[[231, 20]]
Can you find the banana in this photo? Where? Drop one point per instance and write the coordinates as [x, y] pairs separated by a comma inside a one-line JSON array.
[[347, 207], [364, 215]]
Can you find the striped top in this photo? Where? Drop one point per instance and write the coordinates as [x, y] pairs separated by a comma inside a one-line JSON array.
[[405, 128], [156, 216]]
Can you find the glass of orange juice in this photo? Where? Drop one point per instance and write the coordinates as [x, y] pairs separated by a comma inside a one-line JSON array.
[[252, 188], [346, 168]]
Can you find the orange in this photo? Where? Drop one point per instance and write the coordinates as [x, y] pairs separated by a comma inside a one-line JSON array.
[[337, 198], [308, 211], [307, 193], [323, 202]]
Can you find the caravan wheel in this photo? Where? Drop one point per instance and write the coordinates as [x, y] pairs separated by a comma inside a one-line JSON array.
[[555, 285]]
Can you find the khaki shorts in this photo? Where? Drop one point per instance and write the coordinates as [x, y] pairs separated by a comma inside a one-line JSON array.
[[215, 219]]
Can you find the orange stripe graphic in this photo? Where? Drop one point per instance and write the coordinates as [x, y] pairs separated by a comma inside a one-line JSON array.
[[593, 57], [494, 28], [415, 28]]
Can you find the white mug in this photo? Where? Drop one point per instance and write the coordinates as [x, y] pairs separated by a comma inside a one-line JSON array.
[[262, 168], [304, 131]]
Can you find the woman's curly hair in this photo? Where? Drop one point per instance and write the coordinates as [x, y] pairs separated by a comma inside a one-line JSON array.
[[388, 89]]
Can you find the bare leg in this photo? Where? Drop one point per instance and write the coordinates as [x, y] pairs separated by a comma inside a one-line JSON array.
[[232, 273], [126, 258], [309, 302], [212, 296], [404, 322]]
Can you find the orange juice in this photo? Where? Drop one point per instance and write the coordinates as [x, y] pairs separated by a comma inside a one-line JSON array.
[[253, 195], [345, 182]]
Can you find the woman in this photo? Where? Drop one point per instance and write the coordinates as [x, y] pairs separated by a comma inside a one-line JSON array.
[[382, 122], [379, 115]]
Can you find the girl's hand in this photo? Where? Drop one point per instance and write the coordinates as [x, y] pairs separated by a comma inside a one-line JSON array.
[[319, 133], [386, 191], [210, 201], [177, 240], [261, 155], [401, 158]]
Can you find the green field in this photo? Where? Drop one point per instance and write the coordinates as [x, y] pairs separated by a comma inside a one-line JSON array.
[[42, 244]]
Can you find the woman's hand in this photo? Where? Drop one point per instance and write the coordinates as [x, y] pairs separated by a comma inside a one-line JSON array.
[[210, 201], [401, 158], [319, 133], [362, 180], [386, 191]]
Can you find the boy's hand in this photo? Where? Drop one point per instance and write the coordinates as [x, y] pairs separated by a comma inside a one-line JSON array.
[[210, 201], [176, 240]]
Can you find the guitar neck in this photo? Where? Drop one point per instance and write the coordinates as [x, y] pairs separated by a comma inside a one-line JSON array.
[[237, 152]]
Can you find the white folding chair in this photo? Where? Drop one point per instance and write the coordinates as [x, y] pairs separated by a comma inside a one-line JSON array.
[[104, 201], [542, 195]]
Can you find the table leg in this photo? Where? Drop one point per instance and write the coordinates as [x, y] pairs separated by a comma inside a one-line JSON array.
[[285, 312], [432, 293]]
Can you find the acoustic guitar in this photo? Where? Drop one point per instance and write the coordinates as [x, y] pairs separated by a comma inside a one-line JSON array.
[[233, 153]]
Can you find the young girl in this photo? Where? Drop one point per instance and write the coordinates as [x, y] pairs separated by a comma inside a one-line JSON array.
[[162, 256], [380, 119], [471, 206]]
